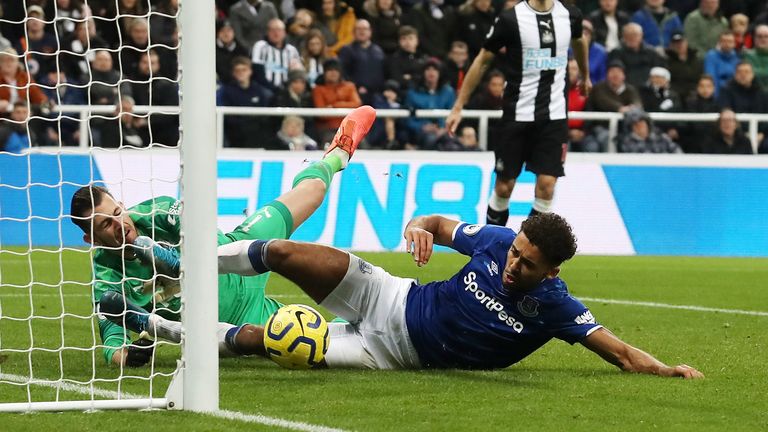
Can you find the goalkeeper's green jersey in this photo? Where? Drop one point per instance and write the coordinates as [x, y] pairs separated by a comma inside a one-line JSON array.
[[241, 298]]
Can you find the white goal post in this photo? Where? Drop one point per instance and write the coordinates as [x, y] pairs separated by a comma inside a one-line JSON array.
[[42, 302]]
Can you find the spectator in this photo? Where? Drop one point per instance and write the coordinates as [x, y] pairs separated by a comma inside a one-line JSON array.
[[643, 137], [658, 23], [721, 62], [684, 65], [299, 27], [241, 131], [291, 136], [137, 45], [15, 135], [407, 62], [363, 62], [162, 23], [384, 16], [758, 57], [106, 89], [387, 132], [273, 57], [704, 26], [658, 97], [694, 133], [637, 57], [296, 95], [313, 55], [39, 47], [16, 84], [63, 91], [491, 97], [474, 21], [728, 137], [433, 18], [467, 137], [331, 91], [577, 101], [598, 56], [430, 94], [148, 89], [227, 48], [741, 34], [118, 14], [457, 65], [611, 95], [608, 22], [250, 19], [743, 94], [78, 49], [128, 134], [68, 13], [338, 20]]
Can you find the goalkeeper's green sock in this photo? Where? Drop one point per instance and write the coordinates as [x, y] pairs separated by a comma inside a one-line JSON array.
[[323, 170]]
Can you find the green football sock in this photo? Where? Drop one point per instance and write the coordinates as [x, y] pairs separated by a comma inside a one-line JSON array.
[[323, 170]]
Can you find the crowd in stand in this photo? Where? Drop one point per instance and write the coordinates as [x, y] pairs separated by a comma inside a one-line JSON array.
[[700, 56]]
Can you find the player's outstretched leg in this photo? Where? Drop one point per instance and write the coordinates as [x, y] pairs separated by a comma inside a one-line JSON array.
[[316, 269], [311, 184]]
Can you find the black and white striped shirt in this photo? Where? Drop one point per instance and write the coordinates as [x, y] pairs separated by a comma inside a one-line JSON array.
[[275, 61], [532, 48]]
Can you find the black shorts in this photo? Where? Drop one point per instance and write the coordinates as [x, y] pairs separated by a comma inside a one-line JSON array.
[[541, 145]]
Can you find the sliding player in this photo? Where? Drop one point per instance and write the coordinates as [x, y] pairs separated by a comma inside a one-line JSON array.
[[500, 307]]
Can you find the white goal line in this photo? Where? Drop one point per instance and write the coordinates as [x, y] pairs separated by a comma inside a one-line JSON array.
[[224, 414], [589, 299], [674, 306]]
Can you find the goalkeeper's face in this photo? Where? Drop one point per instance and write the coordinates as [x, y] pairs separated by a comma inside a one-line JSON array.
[[112, 227]]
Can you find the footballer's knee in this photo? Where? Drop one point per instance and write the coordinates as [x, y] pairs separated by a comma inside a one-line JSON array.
[[278, 253], [250, 340], [504, 187]]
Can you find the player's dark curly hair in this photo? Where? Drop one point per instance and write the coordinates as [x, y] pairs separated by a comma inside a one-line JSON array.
[[83, 202], [553, 236]]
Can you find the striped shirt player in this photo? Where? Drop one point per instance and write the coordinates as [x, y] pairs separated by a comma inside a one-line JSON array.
[[273, 56], [531, 41]]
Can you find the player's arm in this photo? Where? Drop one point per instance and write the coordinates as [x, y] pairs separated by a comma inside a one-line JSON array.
[[630, 359], [580, 48], [474, 75], [423, 232]]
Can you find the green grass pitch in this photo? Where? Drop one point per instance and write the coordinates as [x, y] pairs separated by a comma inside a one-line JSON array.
[[560, 387]]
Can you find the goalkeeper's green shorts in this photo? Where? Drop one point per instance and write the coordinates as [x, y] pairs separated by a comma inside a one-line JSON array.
[[242, 299]]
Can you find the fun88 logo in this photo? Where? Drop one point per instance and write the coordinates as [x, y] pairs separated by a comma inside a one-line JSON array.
[[490, 303]]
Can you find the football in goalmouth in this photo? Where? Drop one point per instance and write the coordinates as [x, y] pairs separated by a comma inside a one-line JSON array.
[[296, 337]]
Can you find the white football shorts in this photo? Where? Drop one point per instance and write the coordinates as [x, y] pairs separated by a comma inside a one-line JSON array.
[[376, 337]]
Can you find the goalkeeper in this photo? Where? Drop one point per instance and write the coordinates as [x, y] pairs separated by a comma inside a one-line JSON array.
[[136, 278]]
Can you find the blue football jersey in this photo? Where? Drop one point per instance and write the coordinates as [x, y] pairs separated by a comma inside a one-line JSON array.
[[472, 322]]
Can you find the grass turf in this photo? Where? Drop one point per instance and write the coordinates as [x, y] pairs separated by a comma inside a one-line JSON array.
[[558, 387]]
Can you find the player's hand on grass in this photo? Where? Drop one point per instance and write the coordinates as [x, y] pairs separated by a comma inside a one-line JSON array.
[[419, 242], [139, 352], [686, 372], [452, 121]]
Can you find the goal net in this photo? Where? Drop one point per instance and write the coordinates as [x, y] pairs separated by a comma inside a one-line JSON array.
[[90, 95]]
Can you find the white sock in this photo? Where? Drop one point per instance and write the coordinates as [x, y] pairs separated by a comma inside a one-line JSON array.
[[498, 203], [542, 205], [221, 335], [341, 154], [162, 328], [233, 258]]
